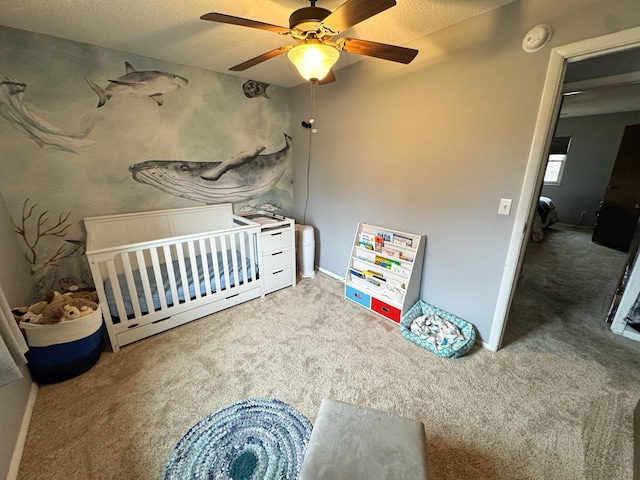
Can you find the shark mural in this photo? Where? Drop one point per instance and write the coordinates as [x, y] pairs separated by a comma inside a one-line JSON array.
[[16, 111], [238, 179], [149, 83]]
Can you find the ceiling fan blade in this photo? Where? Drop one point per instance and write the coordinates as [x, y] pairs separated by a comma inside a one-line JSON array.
[[244, 22], [378, 50], [331, 77], [260, 58], [354, 11]]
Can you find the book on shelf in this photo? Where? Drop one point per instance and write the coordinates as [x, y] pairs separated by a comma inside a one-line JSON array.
[[379, 243], [390, 252], [356, 272], [367, 241], [385, 262], [395, 283], [386, 236], [398, 269], [401, 240]]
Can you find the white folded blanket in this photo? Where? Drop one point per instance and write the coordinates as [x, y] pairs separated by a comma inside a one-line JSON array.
[[436, 330]]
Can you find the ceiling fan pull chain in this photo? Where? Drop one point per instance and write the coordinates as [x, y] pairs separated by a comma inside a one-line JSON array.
[[312, 120]]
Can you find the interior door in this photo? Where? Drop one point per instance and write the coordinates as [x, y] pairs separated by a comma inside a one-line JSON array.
[[620, 209]]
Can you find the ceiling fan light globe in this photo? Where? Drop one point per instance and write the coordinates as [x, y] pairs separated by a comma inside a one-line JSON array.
[[313, 60]]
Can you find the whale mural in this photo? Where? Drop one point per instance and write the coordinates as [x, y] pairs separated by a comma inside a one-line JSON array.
[[18, 113], [149, 83], [238, 179]]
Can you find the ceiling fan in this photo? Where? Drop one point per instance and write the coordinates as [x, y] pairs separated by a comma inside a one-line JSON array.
[[315, 28]]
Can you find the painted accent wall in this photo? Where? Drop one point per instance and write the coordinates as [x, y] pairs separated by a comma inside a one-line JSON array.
[[66, 148], [432, 147], [595, 140]]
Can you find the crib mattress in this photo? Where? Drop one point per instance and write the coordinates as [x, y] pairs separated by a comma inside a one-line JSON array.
[[166, 286]]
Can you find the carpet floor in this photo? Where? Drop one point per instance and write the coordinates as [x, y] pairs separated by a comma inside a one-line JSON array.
[[556, 402]]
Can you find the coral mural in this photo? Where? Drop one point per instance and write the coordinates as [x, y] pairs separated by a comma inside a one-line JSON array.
[[58, 150], [45, 257]]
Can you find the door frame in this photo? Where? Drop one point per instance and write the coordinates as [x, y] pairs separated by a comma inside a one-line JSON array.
[[542, 135]]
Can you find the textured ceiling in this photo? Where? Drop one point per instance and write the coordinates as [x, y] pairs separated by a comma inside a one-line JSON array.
[[171, 30]]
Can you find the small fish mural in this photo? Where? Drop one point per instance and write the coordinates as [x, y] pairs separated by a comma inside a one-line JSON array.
[[269, 207], [238, 179], [254, 88], [147, 83], [248, 208], [46, 135], [266, 207]]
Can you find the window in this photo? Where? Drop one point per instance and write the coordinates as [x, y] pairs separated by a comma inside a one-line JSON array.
[[555, 167], [557, 160]]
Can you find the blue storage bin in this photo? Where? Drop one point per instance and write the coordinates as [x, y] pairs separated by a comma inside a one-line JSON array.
[[457, 348], [358, 296], [64, 350]]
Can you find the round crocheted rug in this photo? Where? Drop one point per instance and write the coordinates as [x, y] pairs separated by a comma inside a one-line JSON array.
[[254, 439]]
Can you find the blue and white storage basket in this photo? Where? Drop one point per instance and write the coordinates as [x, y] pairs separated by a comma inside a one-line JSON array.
[[60, 351], [457, 348]]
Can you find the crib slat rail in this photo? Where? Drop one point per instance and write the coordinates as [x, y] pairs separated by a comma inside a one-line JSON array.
[[152, 286]]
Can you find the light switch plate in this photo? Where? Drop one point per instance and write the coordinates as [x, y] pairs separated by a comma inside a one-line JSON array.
[[505, 206]]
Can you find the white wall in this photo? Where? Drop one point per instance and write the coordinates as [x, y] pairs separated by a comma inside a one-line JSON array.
[[16, 284], [432, 147]]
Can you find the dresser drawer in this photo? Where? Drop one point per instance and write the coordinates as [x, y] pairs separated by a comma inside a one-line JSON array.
[[274, 240], [357, 296], [277, 260], [386, 310], [278, 279]]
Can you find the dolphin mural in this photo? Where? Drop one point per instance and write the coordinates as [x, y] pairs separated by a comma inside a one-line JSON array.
[[148, 83], [13, 108], [240, 178]]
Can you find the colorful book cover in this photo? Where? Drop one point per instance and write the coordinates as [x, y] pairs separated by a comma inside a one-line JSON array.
[[386, 236], [367, 241], [379, 243]]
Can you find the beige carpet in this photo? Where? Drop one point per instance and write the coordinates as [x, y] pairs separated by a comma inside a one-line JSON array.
[[541, 408]]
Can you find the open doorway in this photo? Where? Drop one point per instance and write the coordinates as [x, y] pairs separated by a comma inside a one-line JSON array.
[[545, 126], [567, 281]]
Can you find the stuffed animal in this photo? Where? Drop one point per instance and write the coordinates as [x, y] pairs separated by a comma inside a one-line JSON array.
[[71, 312], [65, 307], [86, 294]]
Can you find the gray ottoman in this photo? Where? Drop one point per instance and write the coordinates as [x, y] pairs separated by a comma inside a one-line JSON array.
[[351, 442]]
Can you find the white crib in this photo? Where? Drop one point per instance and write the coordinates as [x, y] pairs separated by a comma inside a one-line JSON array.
[[141, 262]]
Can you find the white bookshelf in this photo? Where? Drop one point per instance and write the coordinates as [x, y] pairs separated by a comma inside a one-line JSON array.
[[384, 276]]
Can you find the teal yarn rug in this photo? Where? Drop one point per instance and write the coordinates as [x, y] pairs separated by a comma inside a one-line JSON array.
[[254, 439]]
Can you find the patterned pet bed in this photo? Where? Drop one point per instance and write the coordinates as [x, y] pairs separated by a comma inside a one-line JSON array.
[[457, 348]]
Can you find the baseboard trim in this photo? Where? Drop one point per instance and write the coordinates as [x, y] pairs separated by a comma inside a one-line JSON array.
[[486, 346], [16, 457], [331, 274]]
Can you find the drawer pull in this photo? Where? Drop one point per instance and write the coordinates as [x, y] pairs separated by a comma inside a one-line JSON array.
[[277, 253], [227, 298], [358, 296], [158, 321], [277, 233], [384, 309], [279, 271]]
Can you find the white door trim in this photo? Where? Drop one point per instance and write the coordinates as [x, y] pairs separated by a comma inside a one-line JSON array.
[[545, 124]]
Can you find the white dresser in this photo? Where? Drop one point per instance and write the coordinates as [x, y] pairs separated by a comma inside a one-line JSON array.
[[278, 246]]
